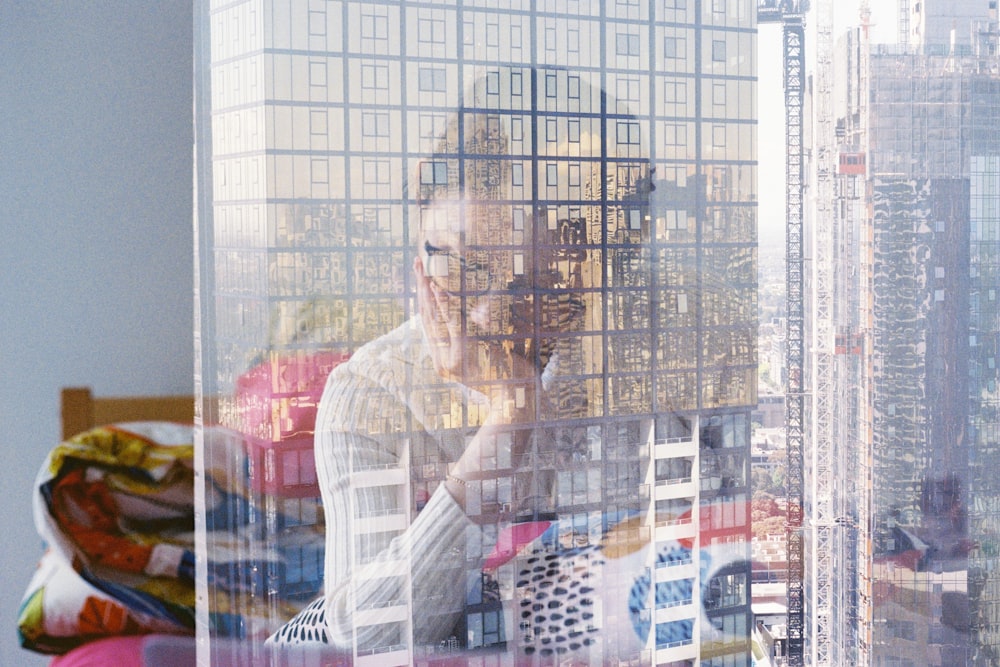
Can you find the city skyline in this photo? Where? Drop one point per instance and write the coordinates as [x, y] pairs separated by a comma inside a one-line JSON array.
[[905, 421]]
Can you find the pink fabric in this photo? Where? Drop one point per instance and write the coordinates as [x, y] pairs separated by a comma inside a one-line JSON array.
[[117, 651], [156, 650], [284, 378], [277, 401], [512, 539]]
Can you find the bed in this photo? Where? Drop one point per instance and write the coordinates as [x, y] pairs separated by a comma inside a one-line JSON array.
[[76, 607], [114, 506], [121, 481]]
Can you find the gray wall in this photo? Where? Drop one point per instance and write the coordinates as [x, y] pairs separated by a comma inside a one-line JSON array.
[[95, 231]]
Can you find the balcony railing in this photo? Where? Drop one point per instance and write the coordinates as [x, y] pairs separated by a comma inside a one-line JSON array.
[[673, 603], [382, 649], [371, 514], [674, 522], [675, 480], [380, 604], [376, 466], [684, 560]]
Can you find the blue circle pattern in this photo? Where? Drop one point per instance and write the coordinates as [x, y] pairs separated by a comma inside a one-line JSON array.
[[667, 592]]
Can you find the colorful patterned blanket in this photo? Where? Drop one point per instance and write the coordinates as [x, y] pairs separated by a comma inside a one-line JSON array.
[[114, 507]]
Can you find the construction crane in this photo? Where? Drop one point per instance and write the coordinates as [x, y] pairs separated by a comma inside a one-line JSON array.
[[791, 15], [822, 533]]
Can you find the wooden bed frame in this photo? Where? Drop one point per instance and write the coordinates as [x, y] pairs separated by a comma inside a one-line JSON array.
[[81, 410]]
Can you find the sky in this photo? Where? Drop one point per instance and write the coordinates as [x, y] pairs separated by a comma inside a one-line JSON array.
[[770, 111]]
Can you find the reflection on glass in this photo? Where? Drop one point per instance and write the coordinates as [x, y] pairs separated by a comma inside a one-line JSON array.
[[495, 271], [908, 552]]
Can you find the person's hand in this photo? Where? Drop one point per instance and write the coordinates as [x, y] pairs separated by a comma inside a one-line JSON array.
[[442, 324], [462, 337]]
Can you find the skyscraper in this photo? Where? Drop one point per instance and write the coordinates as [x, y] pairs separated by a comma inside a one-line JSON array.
[[610, 150], [915, 433], [937, 26]]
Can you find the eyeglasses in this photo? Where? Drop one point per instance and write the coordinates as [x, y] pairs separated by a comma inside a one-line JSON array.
[[455, 275]]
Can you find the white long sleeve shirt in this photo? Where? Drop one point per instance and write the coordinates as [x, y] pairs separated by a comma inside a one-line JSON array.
[[385, 411]]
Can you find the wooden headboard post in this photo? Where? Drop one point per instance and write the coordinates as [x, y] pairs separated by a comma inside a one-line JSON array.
[[81, 411], [76, 411]]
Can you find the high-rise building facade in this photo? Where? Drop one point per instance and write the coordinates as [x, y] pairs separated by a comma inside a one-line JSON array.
[[915, 330], [603, 154], [940, 26]]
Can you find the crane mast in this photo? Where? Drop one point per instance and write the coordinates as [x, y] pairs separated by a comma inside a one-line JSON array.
[[794, 62], [791, 15], [823, 534]]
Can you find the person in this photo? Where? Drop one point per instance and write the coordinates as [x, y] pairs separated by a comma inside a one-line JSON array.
[[439, 389], [435, 439]]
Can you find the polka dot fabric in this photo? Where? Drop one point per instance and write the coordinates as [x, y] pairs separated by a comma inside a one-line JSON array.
[[556, 600], [308, 627]]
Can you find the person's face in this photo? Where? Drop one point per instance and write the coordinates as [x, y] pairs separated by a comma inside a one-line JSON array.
[[489, 299], [466, 263]]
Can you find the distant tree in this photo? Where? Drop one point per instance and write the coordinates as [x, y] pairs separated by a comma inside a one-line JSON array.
[[774, 525], [764, 482], [766, 516]]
